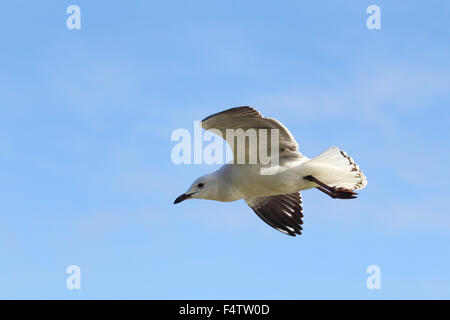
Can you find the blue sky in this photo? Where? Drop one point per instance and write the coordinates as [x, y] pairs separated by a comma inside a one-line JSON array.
[[86, 176]]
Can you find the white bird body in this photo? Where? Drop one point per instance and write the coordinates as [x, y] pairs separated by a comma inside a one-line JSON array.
[[250, 182], [275, 197]]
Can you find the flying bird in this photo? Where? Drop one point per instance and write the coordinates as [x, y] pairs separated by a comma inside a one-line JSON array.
[[275, 197]]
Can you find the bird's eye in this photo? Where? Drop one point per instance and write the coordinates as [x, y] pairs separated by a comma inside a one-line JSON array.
[[200, 185]]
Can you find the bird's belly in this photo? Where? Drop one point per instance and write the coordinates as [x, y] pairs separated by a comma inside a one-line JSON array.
[[283, 182]]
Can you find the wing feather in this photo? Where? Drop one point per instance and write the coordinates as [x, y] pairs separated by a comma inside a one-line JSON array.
[[249, 118], [282, 212]]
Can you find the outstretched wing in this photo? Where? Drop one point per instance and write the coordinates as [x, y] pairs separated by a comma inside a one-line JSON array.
[[246, 118], [282, 212]]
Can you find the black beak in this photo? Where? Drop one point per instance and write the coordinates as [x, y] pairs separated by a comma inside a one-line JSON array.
[[183, 197]]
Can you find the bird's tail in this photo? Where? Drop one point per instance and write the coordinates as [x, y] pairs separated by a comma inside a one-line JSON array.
[[336, 169]]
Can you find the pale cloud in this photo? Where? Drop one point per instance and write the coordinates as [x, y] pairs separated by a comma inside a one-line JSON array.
[[365, 96], [6, 148], [419, 215], [93, 89], [429, 214]]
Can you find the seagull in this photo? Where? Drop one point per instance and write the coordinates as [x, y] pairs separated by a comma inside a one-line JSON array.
[[275, 198]]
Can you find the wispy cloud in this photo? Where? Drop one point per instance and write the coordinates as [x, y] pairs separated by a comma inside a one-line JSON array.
[[366, 96]]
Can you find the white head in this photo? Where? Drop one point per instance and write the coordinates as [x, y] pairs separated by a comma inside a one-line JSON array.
[[205, 187]]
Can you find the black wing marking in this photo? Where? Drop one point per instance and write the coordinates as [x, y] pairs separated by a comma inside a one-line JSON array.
[[282, 212]]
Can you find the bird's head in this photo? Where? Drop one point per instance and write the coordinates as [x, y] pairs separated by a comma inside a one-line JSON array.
[[205, 187]]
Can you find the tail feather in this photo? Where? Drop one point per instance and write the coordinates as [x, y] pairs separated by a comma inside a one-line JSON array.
[[337, 169]]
